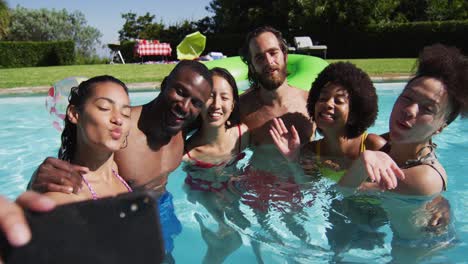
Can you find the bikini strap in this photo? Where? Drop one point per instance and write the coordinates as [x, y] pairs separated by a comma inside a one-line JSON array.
[[91, 190], [444, 185], [94, 194], [362, 147], [428, 160], [129, 189], [317, 150], [188, 154]]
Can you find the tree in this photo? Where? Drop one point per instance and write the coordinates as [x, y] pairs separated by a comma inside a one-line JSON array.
[[141, 27], [50, 25], [4, 18], [302, 16], [144, 27], [240, 16], [205, 25], [447, 10]]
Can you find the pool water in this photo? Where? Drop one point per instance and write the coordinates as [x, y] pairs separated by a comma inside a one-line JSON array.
[[281, 234]]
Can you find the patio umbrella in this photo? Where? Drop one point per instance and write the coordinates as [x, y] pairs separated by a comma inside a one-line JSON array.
[[191, 46]]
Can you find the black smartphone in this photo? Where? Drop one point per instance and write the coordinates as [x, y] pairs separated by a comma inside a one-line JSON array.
[[120, 229]]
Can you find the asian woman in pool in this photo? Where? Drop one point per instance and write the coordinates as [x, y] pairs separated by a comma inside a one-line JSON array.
[[220, 138], [96, 125], [343, 104], [211, 155]]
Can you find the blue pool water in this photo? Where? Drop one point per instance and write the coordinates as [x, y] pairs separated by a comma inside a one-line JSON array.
[[27, 137]]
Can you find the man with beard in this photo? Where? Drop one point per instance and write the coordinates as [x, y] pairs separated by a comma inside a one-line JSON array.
[[270, 95], [268, 182]]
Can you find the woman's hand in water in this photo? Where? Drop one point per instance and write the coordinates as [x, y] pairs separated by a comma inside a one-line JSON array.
[[381, 169], [439, 211], [12, 221], [375, 165], [55, 175], [288, 143]]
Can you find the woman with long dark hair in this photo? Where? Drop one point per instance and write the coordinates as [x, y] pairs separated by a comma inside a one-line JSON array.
[[96, 125]]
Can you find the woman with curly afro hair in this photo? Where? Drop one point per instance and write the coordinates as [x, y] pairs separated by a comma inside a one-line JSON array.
[[343, 104]]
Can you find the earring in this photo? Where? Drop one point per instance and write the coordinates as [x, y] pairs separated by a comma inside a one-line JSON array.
[[125, 143]]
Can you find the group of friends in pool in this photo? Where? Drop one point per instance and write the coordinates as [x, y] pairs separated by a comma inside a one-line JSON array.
[[110, 147]]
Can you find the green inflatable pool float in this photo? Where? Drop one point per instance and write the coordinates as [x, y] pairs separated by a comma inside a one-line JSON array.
[[302, 69]]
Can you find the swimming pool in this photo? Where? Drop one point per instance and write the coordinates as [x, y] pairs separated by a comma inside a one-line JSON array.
[[277, 236]]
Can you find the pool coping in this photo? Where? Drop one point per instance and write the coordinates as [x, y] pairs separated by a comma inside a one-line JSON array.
[[143, 86]]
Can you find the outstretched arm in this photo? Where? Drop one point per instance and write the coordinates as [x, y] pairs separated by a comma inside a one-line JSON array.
[[55, 175], [288, 143], [375, 165]]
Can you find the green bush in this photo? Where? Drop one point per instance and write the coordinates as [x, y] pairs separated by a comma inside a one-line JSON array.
[[30, 54]]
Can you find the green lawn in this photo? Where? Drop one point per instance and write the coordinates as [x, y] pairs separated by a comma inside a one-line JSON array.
[[384, 67], [43, 76], [134, 73]]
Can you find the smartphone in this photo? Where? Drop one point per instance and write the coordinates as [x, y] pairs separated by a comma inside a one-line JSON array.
[[120, 229]]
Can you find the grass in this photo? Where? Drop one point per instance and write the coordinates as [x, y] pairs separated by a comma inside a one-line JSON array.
[[135, 73], [44, 76], [384, 67]]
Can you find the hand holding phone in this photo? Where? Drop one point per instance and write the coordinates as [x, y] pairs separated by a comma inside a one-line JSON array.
[[121, 229]]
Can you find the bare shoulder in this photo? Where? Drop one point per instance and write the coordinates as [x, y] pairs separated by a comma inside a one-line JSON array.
[[247, 96], [298, 93], [244, 128], [374, 142], [423, 180], [303, 93], [247, 102]]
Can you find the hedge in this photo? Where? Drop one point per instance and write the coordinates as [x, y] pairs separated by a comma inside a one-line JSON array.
[[30, 54]]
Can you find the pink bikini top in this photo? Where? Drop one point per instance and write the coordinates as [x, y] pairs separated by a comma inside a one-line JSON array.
[[93, 193]]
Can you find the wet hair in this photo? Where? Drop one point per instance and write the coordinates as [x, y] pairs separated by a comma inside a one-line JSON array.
[[450, 66], [246, 56], [78, 97], [234, 118], [363, 107], [195, 66]]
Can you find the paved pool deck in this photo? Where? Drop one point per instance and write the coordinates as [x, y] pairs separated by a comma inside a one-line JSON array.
[[148, 86]]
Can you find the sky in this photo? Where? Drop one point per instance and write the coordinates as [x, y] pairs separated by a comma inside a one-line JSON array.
[[105, 15]]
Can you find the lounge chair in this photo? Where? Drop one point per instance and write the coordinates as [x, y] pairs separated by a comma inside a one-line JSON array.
[[305, 45]]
